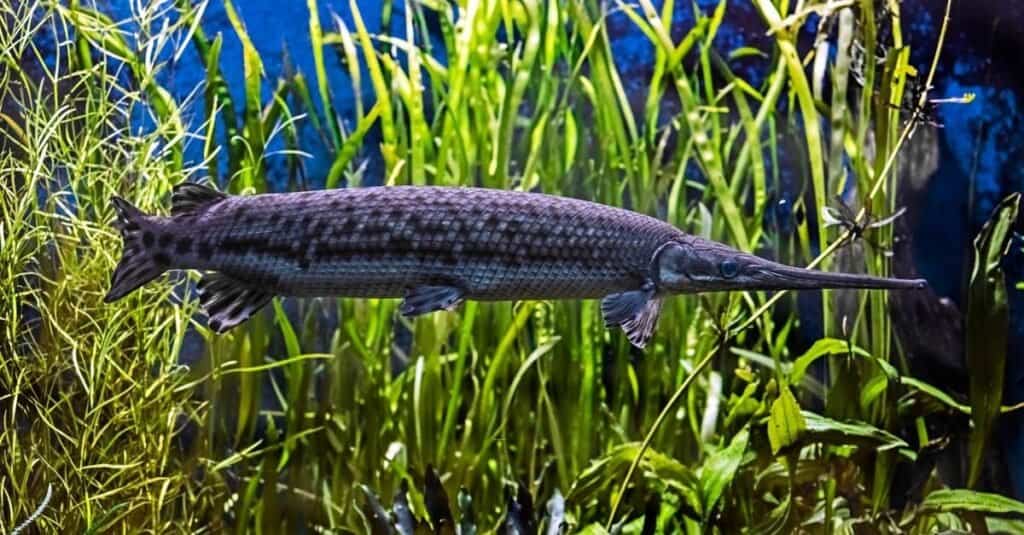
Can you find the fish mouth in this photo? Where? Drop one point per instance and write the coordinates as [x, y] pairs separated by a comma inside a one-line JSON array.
[[782, 277]]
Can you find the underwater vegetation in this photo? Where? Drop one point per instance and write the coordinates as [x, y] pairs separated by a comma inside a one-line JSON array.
[[343, 416]]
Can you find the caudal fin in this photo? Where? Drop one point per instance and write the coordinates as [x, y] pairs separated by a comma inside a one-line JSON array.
[[140, 263]]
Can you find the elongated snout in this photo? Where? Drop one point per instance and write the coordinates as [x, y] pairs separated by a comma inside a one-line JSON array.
[[766, 275], [699, 265]]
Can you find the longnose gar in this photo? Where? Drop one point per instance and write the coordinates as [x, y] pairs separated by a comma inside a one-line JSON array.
[[436, 247]]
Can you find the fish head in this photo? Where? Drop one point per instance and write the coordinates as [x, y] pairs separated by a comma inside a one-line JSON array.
[[696, 265]]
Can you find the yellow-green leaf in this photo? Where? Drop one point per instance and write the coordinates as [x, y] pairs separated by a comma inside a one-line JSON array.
[[785, 421]]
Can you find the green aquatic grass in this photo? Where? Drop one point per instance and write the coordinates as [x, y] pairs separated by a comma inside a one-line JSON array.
[[299, 420]]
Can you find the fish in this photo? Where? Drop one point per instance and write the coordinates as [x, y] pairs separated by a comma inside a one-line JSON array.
[[435, 247]]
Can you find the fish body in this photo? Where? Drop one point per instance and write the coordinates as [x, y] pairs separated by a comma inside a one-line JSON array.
[[432, 246]]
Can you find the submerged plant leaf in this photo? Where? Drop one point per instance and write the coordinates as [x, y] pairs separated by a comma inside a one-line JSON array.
[[785, 421], [658, 470], [959, 500], [834, 346], [826, 430], [720, 469], [987, 328]]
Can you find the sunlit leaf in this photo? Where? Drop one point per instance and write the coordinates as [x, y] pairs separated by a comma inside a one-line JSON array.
[[717, 472], [785, 421]]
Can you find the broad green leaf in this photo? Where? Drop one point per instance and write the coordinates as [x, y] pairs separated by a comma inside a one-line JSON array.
[[659, 471], [958, 500], [826, 430], [718, 471], [835, 346], [987, 326], [785, 421]]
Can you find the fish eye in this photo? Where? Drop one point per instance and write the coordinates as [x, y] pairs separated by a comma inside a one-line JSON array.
[[729, 268]]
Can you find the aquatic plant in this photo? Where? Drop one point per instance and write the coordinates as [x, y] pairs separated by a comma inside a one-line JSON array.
[[310, 412]]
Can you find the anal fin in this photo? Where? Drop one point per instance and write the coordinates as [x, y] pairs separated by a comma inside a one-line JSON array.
[[424, 299], [228, 302], [636, 311]]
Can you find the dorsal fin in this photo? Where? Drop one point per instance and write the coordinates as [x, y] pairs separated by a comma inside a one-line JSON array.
[[189, 197]]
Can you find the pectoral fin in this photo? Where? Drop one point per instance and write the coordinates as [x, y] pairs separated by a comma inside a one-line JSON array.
[[635, 311], [228, 302], [424, 299]]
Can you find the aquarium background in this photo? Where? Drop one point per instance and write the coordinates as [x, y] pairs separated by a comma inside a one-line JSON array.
[[973, 159]]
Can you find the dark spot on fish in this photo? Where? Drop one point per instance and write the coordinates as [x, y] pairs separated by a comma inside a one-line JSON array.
[[205, 250], [236, 246], [321, 253], [184, 246], [161, 259], [303, 262], [240, 212], [511, 230], [165, 240], [306, 220], [148, 238], [348, 224], [287, 224], [215, 325], [275, 218]]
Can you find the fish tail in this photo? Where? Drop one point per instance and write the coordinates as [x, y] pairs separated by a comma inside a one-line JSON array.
[[141, 261]]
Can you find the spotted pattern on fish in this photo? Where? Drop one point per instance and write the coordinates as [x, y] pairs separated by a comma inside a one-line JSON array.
[[379, 242], [435, 247]]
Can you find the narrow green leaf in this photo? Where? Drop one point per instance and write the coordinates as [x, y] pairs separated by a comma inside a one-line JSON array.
[[826, 430], [656, 468], [987, 328], [316, 38], [252, 176]]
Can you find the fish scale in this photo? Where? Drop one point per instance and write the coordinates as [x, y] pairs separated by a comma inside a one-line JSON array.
[[379, 242], [435, 247]]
